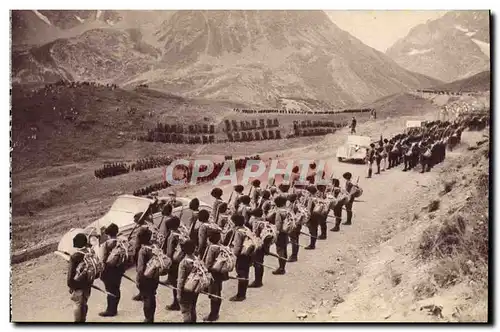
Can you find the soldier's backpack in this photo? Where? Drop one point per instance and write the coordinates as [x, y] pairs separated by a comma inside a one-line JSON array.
[[356, 191], [199, 278], [290, 221], [303, 215], [159, 264], [225, 261], [119, 255], [90, 268], [156, 237], [320, 206], [250, 243], [182, 237], [269, 233]]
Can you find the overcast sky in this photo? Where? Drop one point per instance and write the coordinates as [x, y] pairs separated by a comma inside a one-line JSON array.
[[381, 29]]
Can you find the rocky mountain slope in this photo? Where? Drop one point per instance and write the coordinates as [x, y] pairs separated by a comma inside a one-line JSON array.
[[452, 47], [252, 56]]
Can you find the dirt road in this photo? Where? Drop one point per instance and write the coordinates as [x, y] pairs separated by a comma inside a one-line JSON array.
[[321, 276]]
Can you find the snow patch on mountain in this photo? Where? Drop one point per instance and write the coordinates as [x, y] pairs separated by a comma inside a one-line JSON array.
[[458, 27], [79, 19], [415, 51], [42, 17], [485, 47]]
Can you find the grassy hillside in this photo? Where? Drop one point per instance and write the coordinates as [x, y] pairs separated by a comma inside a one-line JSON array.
[[79, 124], [475, 83]]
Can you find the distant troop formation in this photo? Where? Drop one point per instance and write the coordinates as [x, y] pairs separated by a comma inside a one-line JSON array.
[[197, 256], [115, 169], [112, 169], [47, 88], [240, 163], [242, 125], [294, 111], [424, 146], [151, 162]]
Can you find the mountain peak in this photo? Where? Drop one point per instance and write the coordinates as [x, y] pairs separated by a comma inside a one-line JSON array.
[[448, 48]]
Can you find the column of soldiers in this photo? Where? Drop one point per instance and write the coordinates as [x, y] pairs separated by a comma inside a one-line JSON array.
[[113, 169], [151, 162], [176, 133], [241, 230], [424, 146], [240, 163]]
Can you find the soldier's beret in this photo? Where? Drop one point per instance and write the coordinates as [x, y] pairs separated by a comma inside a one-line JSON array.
[[321, 187], [347, 175], [284, 187], [312, 189], [256, 182], [245, 199], [216, 192], [238, 188]]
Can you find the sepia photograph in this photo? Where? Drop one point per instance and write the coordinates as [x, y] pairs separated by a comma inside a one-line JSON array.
[[250, 166]]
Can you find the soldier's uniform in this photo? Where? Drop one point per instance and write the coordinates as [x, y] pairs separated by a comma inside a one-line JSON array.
[[258, 256], [172, 243], [80, 290], [349, 186], [215, 287], [147, 286], [277, 217], [112, 278], [370, 156], [187, 299], [242, 264]]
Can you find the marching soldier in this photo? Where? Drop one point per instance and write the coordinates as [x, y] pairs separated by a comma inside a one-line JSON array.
[[217, 194], [370, 156], [244, 208], [295, 234], [256, 192], [277, 217], [111, 275], [187, 299], [172, 243], [349, 186], [194, 205], [313, 222], [321, 195], [215, 287], [265, 202], [79, 290], [238, 189], [258, 223], [242, 261], [147, 286], [203, 217]]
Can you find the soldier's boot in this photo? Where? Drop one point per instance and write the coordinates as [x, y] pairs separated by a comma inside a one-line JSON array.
[[312, 244], [214, 311], [242, 291], [259, 273], [336, 228], [281, 269], [322, 236], [378, 169], [137, 297], [349, 218], [175, 304], [295, 251], [111, 309], [370, 171]]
